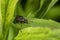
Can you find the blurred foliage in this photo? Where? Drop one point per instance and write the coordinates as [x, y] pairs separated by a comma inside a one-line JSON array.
[[36, 29], [55, 10], [35, 11], [58, 3], [38, 22], [38, 33]]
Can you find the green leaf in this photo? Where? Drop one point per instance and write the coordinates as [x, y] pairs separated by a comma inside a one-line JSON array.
[[1, 24], [10, 34], [32, 6], [3, 9], [34, 22], [44, 23], [9, 16], [4, 4], [19, 10], [53, 13], [47, 4], [38, 33]]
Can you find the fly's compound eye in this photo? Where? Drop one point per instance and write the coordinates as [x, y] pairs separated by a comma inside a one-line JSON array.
[[20, 19]]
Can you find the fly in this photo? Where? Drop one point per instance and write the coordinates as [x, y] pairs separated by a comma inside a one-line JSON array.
[[20, 19]]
